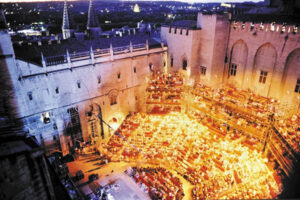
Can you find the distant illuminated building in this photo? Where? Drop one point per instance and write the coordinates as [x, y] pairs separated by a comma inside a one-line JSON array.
[[226, 5], [136, 8]]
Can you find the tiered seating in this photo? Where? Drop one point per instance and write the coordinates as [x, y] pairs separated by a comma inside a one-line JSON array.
[[290, 130], [159, 183], [214, 163], [164, 93], [240, 101], [216, 145]]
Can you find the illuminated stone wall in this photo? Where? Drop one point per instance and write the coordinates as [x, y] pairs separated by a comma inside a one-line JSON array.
[[204, 46], [271, 48], [180, 46], [50, 100], [218, 44]]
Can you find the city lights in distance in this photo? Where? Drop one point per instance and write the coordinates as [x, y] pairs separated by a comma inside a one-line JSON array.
[[186, 1]]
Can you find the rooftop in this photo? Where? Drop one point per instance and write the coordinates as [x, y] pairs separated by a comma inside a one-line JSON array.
[[190, 24], [32, 53]]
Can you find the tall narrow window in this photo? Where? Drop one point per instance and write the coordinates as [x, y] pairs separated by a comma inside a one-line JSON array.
[[46, 117], [263, 77], [134, 69], [172, 62], [243, 25], [261, 27], [170, 29], [180, 31], [113, 100], [119, 75], [175, 31], [272, 28], [233, 68], [150, 66], [234, 25], [187, 31], [57, 90], [295, 29], [184, 64], [78, 84], [99, 79], [297, 88], [203, 70], [283, 29], [30, 95]]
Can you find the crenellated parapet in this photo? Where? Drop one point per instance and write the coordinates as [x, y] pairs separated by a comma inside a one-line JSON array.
[[256, 28], [178, 30]]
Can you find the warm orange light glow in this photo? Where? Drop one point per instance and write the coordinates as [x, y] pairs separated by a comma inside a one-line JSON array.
[[213, 137], [219, 167]]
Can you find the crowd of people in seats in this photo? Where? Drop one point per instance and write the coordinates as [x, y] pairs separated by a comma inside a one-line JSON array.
[[216, 145], [164, 92], [222, 128], [250, 113], [215, 163], [158, 183], [290, 130], [229, 118], [243, 101]]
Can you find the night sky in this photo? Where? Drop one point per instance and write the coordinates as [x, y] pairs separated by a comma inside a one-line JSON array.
[[190, 1]]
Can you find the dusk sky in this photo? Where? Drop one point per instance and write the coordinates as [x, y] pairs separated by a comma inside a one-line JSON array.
[[191, 1]]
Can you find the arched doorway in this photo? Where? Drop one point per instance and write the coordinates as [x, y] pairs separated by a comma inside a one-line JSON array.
[[95, 123], [263, 70], [290, 84], [237, 65]]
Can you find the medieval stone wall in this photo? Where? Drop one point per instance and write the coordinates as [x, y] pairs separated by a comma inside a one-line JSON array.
[[269, 48], [53, 98]]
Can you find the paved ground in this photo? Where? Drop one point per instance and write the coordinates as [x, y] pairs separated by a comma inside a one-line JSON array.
[[114, 173], [128, 189], [109, 173]]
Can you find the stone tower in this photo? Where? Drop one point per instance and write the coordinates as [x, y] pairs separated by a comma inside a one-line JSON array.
[[93, 26], [9, 107], [66, 30]]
